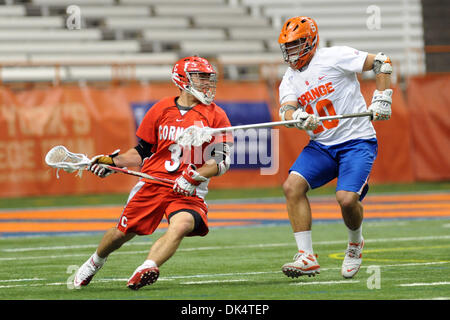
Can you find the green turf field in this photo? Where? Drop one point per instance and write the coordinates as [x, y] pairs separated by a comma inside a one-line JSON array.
[[214, 194], [407, 259], [402, 259]]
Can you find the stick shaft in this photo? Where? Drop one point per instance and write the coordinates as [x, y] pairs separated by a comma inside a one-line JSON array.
[[139, 174], [280, 123]]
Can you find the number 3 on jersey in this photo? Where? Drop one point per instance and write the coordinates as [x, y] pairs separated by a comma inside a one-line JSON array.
[[173, 164], [323, 107]]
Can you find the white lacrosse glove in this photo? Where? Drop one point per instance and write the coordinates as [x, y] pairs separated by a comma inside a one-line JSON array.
[[381, 105], [382, 64], [100, 171], [310, 121], [187, 183]]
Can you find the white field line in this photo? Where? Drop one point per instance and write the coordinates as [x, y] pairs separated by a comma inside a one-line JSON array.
[[435, 298], [420, 284], [50, 248], [22, 280], [213, 275], [214, 281], [147, 243], [323, 282]]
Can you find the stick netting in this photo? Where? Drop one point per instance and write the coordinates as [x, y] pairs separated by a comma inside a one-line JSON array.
[[61, 158]]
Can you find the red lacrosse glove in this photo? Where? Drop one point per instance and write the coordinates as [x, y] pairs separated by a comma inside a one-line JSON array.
[[187, 182]]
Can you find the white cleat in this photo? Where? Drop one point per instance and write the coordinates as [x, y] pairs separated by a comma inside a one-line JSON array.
[[352, 259], [85, 273], [303, 264]]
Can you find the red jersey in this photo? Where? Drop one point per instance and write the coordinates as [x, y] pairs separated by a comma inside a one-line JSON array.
[[161, 125]]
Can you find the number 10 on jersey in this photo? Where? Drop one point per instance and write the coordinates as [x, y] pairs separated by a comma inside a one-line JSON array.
[[324, 108]]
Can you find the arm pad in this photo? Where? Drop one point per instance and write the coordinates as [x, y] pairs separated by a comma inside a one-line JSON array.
[[282, 113], [221, 153], [144, 149]]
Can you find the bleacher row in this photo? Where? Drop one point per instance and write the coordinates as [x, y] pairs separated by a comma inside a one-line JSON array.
[[240, 35]]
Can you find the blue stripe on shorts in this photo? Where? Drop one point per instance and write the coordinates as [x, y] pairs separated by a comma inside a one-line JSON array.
[[350, 162]]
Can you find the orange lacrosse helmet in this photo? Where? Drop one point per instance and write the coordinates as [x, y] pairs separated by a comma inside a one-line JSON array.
[[298, 40]]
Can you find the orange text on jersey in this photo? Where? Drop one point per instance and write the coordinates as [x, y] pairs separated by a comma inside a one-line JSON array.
[[315, 93]]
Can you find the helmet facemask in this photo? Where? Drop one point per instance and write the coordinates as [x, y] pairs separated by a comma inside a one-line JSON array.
[[294, 51], [298, 41], [202, 85]]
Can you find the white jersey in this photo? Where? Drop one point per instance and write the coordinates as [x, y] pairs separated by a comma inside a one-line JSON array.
[[330, 86]]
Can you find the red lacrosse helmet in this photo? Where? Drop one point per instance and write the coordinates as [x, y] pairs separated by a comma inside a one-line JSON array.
[[196, 76], [298, 40]]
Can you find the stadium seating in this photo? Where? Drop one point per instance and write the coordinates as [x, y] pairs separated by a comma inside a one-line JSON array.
[[175, 35], [12, 23], [13, 10], [238, 34], [70, 47], [65, 3], [197, 10], [139, 23], [114, 11], [49, 35]]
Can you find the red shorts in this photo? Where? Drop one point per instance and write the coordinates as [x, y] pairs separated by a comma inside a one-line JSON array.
[[148, 203]]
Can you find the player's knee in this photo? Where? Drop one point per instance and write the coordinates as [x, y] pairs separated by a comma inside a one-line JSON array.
[[294, 190], [346, 199], [118, 237], [181, 224]]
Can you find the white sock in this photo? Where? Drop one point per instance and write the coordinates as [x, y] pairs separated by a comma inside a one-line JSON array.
[[355, 236], [304, 241], [150, 263], [98, 261]]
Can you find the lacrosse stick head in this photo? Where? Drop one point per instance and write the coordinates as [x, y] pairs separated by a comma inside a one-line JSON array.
[[194, 136], [61, 158]]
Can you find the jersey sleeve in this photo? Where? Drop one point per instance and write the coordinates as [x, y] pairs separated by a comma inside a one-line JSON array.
[[148, 129], [349, 59], [286, 90]]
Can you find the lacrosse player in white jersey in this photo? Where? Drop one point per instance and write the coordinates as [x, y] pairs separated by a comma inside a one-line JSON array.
[[321, 82]]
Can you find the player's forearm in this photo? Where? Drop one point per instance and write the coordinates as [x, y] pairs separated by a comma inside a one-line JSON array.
[[383, 81], [209, 169], [131, 158], [288, 115], [290, 105]]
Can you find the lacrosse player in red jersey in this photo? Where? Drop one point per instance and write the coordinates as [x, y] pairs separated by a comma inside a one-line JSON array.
[[321, 82], [182, 203]]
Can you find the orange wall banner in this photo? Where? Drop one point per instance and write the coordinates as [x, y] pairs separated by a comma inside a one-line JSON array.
[[83, 119], [413, 145], [429, 103], [393, 162]]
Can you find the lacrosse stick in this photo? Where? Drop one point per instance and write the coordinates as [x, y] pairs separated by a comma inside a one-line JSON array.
[[61, 158], [196, 136]]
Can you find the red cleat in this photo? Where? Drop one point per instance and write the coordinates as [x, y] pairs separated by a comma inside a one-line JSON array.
[[143, 276]]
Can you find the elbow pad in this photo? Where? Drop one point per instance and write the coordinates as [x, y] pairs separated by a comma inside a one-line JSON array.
[[382, 64], [282, 113], [221, 154], [144, 149]]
